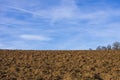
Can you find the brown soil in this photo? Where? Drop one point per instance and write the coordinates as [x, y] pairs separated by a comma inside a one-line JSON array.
[[59, 65]]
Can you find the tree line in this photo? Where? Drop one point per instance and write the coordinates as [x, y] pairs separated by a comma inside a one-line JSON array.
[[114, 46]]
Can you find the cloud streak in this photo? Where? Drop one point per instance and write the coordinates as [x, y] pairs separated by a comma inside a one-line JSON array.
[[73, 24], [70, 11], [34, 37], [66, 9]]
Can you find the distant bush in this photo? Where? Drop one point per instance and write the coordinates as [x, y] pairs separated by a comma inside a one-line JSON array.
[[114, 46]]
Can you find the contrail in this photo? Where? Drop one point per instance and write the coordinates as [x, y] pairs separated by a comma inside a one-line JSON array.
[[23, 10]]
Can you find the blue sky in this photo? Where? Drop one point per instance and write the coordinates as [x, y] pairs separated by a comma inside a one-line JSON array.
[[58, 24]]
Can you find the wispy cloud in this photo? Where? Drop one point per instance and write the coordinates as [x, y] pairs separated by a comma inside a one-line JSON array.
[[69, 10], [66, 9], [74, 23], [23, 10], [34, 37]]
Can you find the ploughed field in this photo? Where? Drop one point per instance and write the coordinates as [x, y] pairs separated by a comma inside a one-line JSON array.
[[59, 65]]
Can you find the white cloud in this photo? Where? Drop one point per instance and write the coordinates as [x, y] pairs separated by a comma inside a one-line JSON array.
[[69, 11], [34, 37], [66, 10], [23, 10]]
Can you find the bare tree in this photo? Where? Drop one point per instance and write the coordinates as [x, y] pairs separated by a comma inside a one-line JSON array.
[[109, 47], [90, 48], [103, 48], [99, 48], [116, 46]]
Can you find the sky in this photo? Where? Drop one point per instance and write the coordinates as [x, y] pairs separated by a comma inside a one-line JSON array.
[[58, 24]]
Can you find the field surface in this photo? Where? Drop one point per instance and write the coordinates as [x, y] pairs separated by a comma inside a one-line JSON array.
[[59, 65]]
